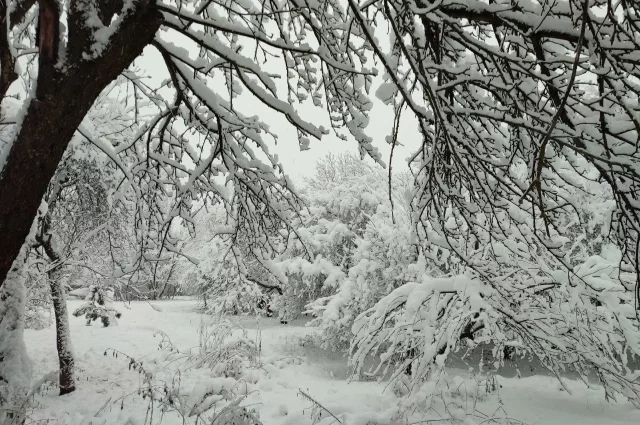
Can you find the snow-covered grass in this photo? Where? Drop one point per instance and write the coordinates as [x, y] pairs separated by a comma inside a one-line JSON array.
[[108, 391]]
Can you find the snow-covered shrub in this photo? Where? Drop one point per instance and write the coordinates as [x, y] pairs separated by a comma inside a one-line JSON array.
[[223, 347], [301, 262], [584, 322], [229, 268], [486, 278], [360, 245], [381, 261], [295, 264], [99, 305], [314, 262], [224, 280], [206, 384]]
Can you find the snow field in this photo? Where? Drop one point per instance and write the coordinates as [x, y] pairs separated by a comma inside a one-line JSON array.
[[276, 382]]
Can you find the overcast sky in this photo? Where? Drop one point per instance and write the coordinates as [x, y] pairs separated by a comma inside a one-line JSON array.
[[299, 164]]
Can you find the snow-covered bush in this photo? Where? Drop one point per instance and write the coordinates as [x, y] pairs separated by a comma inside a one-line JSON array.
[[99, 305], [583, 321], [224, 279], [487, 277], [225, 348], [381, 261], [206, 384], [344, 252], [229, 268], [352, 248]]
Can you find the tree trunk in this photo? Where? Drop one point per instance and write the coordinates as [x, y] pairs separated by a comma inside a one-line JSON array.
[[63, 98], [63, 337], [66, 362]]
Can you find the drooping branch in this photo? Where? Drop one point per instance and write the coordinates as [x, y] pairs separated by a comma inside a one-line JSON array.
[[263, 285]]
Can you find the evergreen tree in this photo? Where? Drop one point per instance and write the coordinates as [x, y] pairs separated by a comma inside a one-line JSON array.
[[99, 305]]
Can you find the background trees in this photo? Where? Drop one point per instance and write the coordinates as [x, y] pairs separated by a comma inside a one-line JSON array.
[[379, 292]]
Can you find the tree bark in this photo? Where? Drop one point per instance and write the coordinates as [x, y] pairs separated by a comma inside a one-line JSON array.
[[64, 95], [63, 338]]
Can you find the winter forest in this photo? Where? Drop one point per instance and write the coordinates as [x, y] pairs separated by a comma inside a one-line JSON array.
[[319, 212]]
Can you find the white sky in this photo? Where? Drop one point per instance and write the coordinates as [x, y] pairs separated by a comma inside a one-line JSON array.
[[299, 164]]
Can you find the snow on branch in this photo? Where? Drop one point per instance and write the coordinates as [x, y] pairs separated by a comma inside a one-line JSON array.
[[520, 105], [584, 322]]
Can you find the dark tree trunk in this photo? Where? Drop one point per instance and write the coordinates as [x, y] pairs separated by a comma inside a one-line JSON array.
[[65, 356], [63, 98]]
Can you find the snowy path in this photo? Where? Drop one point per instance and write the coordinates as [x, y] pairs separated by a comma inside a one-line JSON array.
[[535, 400]]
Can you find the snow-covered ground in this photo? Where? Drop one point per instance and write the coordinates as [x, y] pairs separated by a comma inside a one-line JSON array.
[[108, 391]]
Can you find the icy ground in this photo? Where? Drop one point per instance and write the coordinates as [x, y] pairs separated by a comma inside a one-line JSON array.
[[107, 389]]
